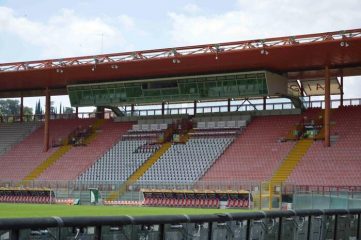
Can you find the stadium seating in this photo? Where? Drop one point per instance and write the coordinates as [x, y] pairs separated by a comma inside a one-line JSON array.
[[185, 163], [118, 163], [78, 159], [22, 195], [256, 153], [338, 165], [25, 156], [13, 133]]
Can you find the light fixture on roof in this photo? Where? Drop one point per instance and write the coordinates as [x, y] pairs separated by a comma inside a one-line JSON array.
[[93, 69], [58, 70], [176, 61], [218, 49], [344, 44], [114, 66], [264, 52]]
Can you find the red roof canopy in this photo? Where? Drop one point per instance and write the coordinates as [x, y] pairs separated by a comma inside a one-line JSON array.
[[300, 57]]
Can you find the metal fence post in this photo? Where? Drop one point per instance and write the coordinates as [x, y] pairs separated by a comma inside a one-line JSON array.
[[309, 225], [358, 225], [280, 228], [335, 227], [210, 230], [248, 230]]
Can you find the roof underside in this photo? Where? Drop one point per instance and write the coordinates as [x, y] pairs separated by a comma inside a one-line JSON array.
[[297, 57]]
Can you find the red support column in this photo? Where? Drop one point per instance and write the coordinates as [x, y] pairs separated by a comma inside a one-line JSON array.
[[327, 107], [47, 119], [21, 109]]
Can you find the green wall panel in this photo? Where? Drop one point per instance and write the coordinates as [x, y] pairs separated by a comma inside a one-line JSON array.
[[174, 89]]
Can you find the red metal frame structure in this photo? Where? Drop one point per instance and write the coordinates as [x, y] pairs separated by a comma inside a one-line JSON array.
[[300, 57]]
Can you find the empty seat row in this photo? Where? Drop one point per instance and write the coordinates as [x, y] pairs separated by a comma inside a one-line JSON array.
[[119, 162], [222, 124], [149, 127], [13, 133], [156, 121], [172, 202], [26, 199], [247, 118], [187, 162]]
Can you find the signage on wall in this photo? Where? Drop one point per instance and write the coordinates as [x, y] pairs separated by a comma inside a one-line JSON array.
[[313, 87]]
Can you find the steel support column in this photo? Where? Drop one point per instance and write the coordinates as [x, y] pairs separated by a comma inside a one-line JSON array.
[[327, 107], [100, 112], [76, 112], [21, 109], [163, 104], [264, 102], [341, 91], [195, 107], [132, 109], [47, 119], [229, 105]]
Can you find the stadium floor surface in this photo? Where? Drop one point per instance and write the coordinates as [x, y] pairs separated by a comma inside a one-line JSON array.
[[9, 210]]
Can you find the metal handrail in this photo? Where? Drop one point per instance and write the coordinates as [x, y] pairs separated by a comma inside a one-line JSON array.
[[335, 103], [277, 218]]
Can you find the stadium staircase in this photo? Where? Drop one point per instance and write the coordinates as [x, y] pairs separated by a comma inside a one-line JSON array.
[[291, 160], [338, 165], [79, 159], [47, 163], [255, 153], [60, 153], [140, 171], [23, 157]]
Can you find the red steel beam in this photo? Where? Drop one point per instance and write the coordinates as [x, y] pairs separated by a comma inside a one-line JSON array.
[[183, 51]]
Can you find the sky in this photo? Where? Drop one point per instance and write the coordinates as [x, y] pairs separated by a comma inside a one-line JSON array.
[[40, 29]]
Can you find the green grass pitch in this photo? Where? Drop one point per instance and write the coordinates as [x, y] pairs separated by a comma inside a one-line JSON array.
[[46, 210]]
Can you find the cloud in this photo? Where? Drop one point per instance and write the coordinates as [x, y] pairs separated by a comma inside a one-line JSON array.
[[67, 34], [191, 8], [262, 19], [126, 21]]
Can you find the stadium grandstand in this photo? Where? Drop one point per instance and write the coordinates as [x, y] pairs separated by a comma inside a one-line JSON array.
[[248, 124]]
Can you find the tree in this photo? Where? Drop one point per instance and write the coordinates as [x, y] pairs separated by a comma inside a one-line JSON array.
[[9, 107], [38, 109], [52, 108], [28, 111], [68, 110]]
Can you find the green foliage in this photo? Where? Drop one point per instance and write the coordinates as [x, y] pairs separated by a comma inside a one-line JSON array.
[[28, 111], [38, 109], [9, 107], [68, 110]]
